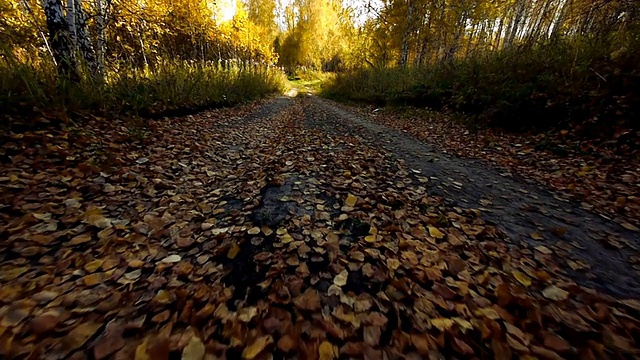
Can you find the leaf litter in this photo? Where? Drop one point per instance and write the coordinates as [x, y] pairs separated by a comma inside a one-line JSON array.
[[361, 261]]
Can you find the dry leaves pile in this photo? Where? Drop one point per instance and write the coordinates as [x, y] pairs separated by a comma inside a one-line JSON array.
[[268, 240], [603, 175]]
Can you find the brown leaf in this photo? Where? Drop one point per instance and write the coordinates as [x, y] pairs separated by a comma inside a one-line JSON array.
[[109, 342], [545, 353], [233, 251], [461, 347], [516, 345], [13, 273], [286, 344], [80, 239], [556, 343], [153, 347], [309, 300], [92, 279], [372, 335], [45, 322], [79, 335]]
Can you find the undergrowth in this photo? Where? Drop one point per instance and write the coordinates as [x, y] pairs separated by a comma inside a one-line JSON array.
[[579, 81], [168, 86]]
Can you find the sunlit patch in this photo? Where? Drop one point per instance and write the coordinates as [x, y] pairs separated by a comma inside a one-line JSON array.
[[224, 10]]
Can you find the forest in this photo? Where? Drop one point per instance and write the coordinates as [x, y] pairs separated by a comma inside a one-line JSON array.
[[319, 179], [515, 64]]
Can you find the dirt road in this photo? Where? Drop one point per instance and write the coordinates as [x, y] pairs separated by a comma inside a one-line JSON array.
[[296, 228]]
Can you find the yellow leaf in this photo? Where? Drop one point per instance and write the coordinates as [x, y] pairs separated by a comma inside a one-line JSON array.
[[351, 200], [256, 347], [543, 249], [327, 351], [266, 231], [393, 264], [92, 279], [11, 274], [194, 350], [489, 312], [286, 238], [434, 232], [341, 279], [522, 278], [464, 324], [442, 324], [254, 231], [536, 236], [79, 335], [370, 238], [233, 251], [630, 227], [93, 265]]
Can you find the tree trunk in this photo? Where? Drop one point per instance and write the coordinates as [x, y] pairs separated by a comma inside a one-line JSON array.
[[101, 22], [514, 28], [404, 55], [499, 35], [71, 22], [83, 42], [60, 39], [425, 42]]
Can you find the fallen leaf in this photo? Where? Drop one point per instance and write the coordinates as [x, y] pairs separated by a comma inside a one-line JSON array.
[[630, 227], [194, 350], [341, 279], [327, 351], [79, 335], [80, 239], [256, 347], [543, 249], [93, 265], [172, 259], [536, 236], [350, 200], [309, 300], [522, 278], [254, 231], [555, 293], [233, 251], [435, 232]]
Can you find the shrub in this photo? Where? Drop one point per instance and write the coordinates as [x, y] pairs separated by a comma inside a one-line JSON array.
[[519, 88]]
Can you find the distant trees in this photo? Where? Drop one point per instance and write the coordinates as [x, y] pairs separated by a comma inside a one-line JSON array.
[[421, 32], [318, 34], [100, 32]]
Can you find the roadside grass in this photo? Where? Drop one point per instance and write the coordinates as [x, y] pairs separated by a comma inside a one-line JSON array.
[[28, 84], [579, 81]]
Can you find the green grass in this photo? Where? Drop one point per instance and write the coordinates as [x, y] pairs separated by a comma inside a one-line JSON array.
[[167, 86], [310, 82]]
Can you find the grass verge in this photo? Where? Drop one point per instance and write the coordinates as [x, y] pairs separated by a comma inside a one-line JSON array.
[[166, 87], [582, 81]]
